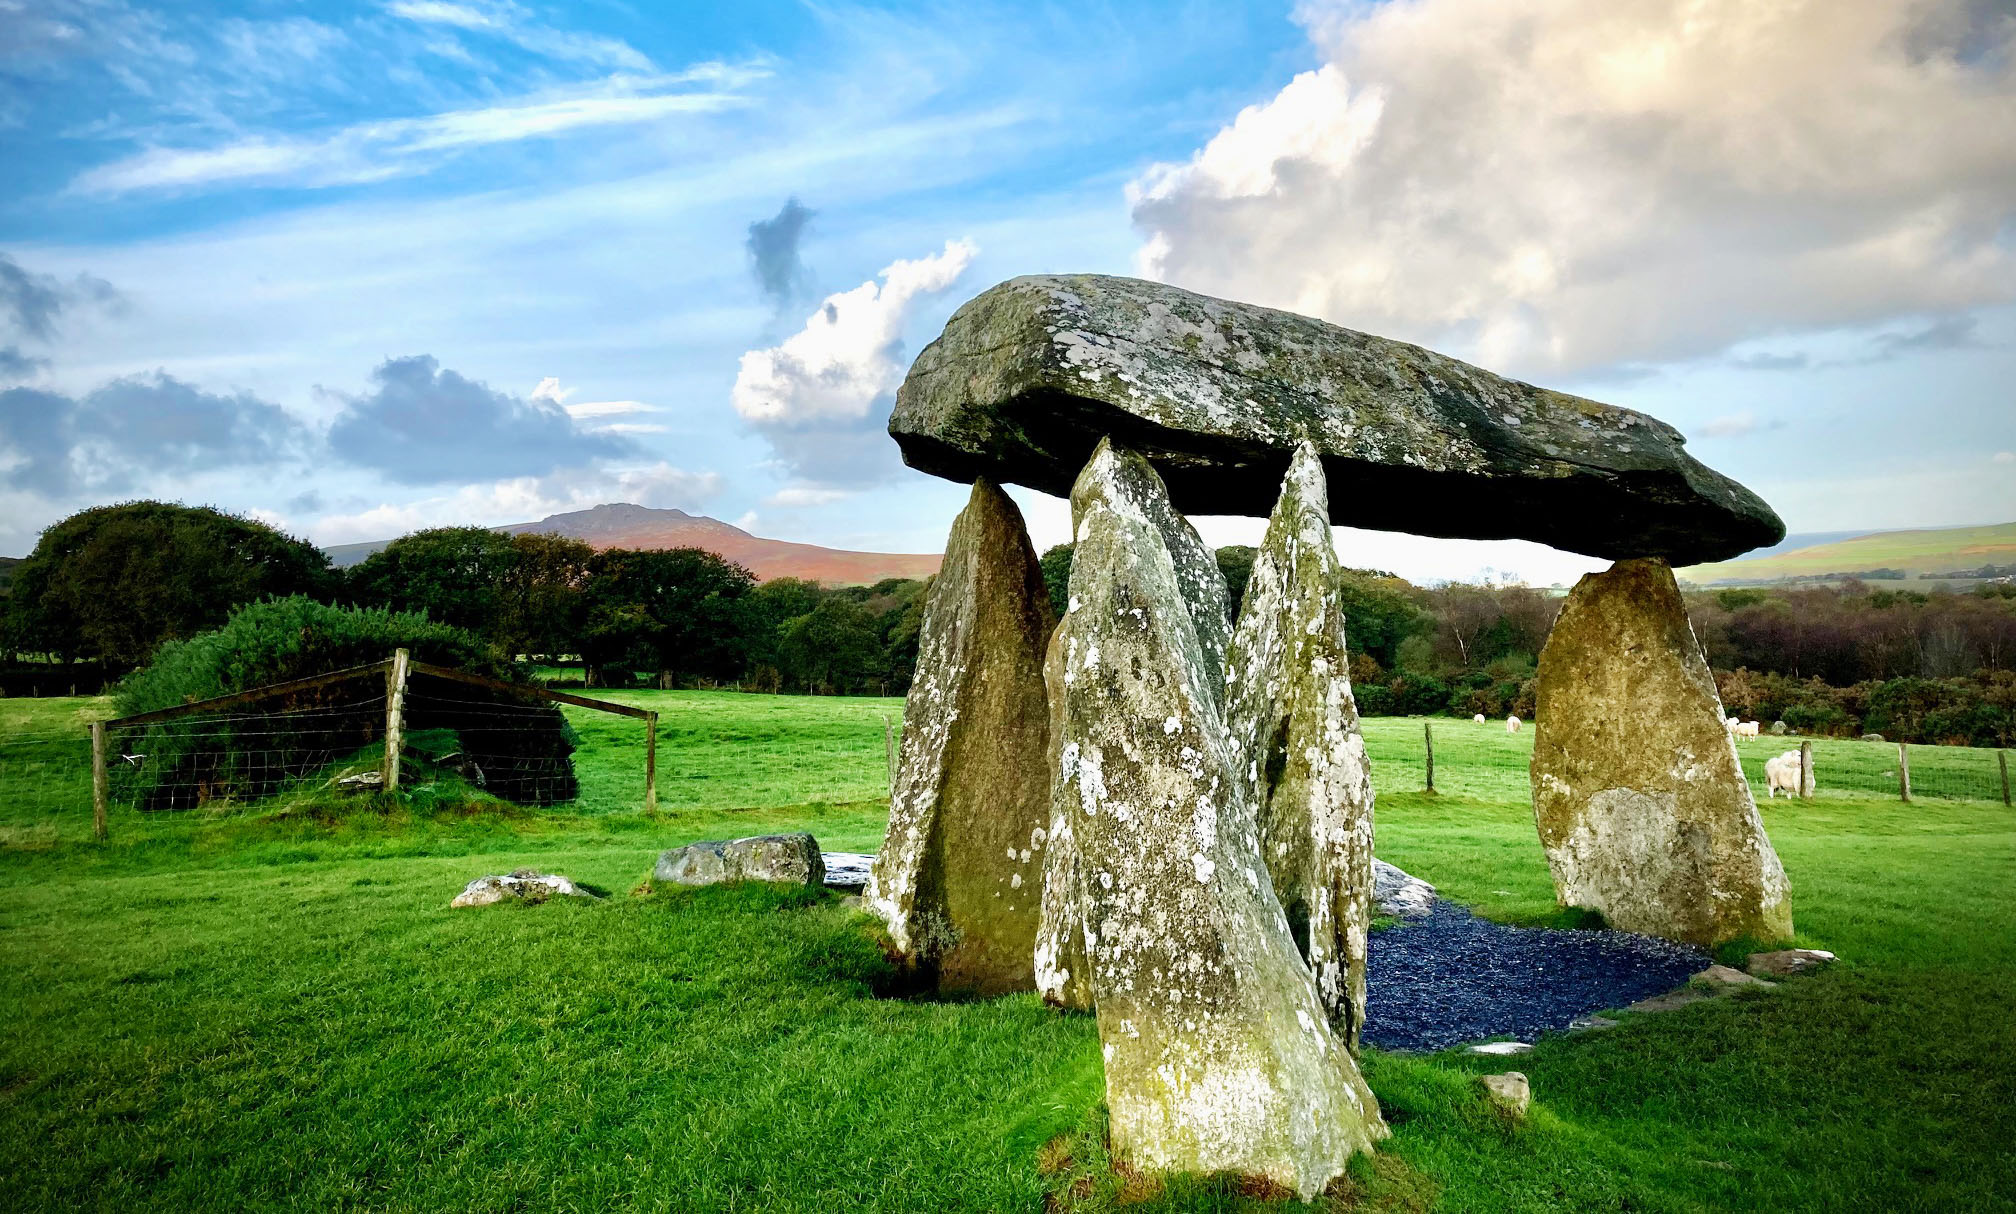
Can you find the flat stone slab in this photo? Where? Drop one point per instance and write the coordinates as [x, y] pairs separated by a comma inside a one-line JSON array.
[[1029, 375], [847, 870], [1496, 1049], [1787, 962]]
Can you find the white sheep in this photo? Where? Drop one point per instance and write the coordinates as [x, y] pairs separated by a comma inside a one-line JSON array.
[[1783, 772], [1748, 729], [1479, 718], [1512, 724]]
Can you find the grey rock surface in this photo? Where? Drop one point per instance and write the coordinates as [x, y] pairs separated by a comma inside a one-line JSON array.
[[847, 870], [1028, 377], [1296, 744], [1218, 1053], [779, 859], [1638, 794], [1788, 962], [1509, 1093], [1398, 894], [958, 879], [518, 885]]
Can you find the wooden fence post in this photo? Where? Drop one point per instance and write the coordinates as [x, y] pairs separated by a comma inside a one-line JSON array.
[[1428, 744], [1806, 770], [99, 791], [1904, 773], [2002, 757], [889, 754], [651, 764], [395, 718]]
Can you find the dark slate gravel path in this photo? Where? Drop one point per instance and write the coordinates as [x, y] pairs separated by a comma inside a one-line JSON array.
[[1448, 978]]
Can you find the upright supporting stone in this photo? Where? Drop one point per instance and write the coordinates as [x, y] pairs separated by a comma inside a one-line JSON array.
[[1637, 790], [1297, 746], [1062, 975], [1218, 1055], [957, 880]]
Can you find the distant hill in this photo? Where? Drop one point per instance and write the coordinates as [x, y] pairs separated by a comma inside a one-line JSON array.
[[1935, 550], [623, 525]]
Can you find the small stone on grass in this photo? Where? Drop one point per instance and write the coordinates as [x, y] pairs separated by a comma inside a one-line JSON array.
[[1787, 962], [1509, 1092]]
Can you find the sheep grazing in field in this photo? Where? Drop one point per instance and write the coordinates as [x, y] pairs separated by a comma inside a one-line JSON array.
[[1511, 724], [1479, 718], [1783, 772], [1746, 729], [1729, 723]]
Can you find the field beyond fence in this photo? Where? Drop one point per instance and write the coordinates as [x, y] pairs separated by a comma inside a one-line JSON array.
[[721, 750]]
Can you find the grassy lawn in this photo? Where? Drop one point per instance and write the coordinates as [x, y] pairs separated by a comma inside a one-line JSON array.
[[248, 1012]]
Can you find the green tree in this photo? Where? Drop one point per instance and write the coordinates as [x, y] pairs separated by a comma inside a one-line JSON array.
[[451, 574], [1056, 566], [541, 601], [1379, 614], [683, 612], [115, 582], [1235, 563], [832, 649]]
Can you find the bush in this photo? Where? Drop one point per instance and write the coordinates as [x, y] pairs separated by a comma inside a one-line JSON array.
[[252, 752]]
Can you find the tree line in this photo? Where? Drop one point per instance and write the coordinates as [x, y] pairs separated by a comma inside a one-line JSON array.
[[110, 585]]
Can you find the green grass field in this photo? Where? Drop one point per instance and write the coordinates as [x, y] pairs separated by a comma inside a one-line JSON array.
[[244, 1011], [1942, 550]]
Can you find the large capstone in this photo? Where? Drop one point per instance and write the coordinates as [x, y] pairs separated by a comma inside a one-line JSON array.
[[1030, 375], [1641, 803], [1218, 1052], [1296, 745], [959, 877]]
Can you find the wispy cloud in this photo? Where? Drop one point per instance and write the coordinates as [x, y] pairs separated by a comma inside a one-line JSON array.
[[373, 151], [512, 23]]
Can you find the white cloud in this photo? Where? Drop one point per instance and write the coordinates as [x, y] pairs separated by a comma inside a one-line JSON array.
[[1578, 183], [799, 496], [2005, 457], [521, 500], [508, 21], [374, 151], [1731, 425], [844, 357]]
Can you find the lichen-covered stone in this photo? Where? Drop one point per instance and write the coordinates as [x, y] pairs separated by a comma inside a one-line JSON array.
[[1063, 975], [1028, 376], [958, 879], [792, 859], [1218, 1052], [1640, 800], [1296, 744], [518, 885]]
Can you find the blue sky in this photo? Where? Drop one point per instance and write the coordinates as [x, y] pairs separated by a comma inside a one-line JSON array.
[[364, 268]]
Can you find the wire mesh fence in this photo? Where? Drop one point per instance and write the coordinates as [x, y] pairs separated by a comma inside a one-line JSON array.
[[452, 735], [1485, 761]]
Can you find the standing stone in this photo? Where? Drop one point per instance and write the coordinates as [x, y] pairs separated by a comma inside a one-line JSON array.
[[1218, 1055], [958, 877], [1641, 802], [1296, 743], [1062, 975]]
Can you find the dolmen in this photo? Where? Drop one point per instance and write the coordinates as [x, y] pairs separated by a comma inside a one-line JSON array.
[[1160, 811]]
